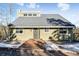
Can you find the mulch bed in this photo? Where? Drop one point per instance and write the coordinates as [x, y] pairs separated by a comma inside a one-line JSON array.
[[31, 47]]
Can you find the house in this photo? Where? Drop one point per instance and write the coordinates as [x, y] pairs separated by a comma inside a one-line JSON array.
[[35, 25]]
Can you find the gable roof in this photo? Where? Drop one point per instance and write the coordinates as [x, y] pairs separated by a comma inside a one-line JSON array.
[[42, 21]]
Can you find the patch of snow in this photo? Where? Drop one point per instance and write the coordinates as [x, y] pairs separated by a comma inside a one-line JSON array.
[[71, 47], [51, 46], [7, 45]]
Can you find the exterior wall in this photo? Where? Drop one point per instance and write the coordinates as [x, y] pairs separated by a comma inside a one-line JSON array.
[[27, 34], [51, 32]]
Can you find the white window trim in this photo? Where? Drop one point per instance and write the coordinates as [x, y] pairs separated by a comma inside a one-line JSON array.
[[37, 15]]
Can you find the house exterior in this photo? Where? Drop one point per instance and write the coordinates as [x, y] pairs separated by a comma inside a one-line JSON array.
[[35, 25]]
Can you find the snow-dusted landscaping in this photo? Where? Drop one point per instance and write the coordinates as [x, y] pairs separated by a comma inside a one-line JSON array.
[[10, 45], [51, 46], [72, 47]]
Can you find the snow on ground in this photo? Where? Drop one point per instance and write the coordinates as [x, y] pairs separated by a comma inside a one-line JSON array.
[[72, 47], [51, 46], [10, 45]]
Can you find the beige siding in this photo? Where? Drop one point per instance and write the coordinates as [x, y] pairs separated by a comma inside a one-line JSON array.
[[45, 35], [27, 34]]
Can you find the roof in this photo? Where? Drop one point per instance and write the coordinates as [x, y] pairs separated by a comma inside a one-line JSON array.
[[45, 20]]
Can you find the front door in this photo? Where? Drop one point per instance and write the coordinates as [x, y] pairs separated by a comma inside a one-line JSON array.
[[36, 33]]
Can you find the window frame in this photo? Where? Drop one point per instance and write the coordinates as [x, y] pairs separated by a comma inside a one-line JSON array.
[[25, 14], [30, 14], [19, 31], [63, 31], [34, 14]]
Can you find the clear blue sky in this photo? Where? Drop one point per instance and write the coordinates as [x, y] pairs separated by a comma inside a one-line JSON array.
[[69, 11]]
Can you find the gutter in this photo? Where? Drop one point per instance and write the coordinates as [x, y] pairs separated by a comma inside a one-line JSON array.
[[42, 27]]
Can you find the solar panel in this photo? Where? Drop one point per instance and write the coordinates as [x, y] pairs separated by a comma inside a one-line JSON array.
[[60, 22]]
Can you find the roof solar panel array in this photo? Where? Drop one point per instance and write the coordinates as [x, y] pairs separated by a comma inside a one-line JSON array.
[[60, 22]]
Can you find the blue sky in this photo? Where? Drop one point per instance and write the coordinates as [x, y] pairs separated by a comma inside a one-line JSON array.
[[70, 11]]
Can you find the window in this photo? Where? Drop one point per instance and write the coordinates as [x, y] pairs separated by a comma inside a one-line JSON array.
[[19, 31], [34, 14], [25, 14], [46, 30], [63, 31], [29, 14]]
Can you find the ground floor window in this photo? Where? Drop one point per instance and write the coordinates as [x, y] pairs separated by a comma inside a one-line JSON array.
[[64, 35], [63, 31], [19, 31]]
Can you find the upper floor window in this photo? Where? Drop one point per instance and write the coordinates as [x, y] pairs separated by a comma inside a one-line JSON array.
[[30, 14], [34, 14], [25, 14]]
